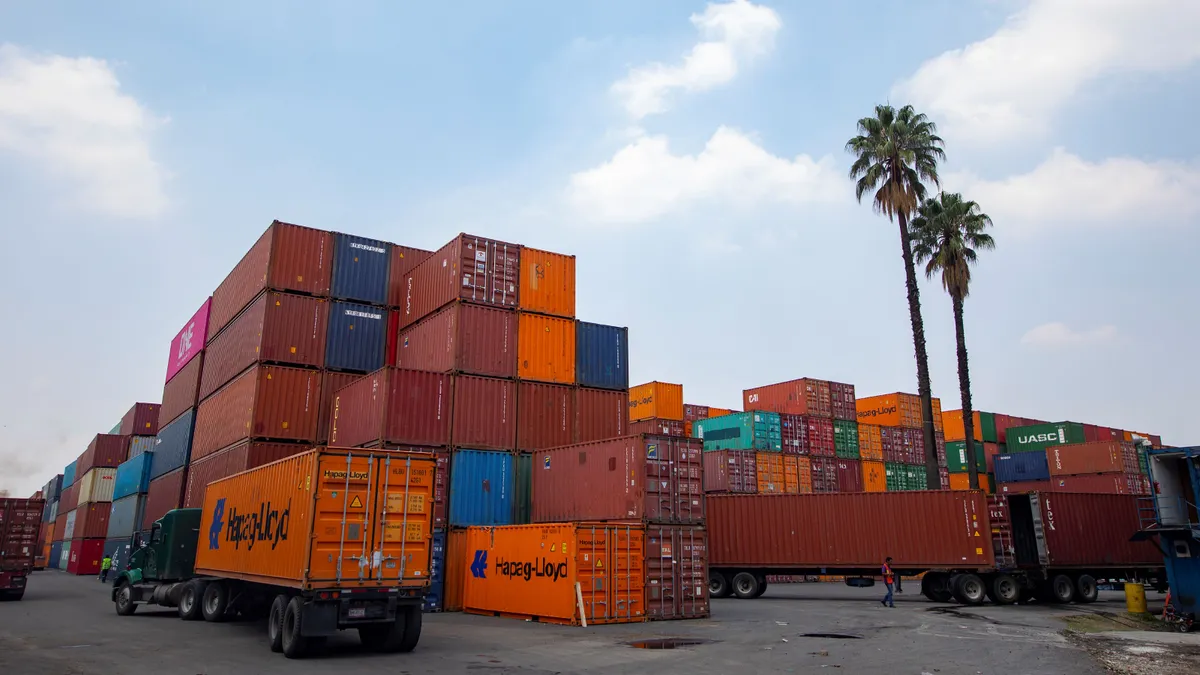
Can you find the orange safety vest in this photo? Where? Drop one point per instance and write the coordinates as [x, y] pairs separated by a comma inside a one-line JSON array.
[[888, 576]]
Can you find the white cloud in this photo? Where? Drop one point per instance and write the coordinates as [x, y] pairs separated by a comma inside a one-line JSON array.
[[68, 116], [1058, 334], [731, 33], [645, 180], [1066, 190], [1011, 83]]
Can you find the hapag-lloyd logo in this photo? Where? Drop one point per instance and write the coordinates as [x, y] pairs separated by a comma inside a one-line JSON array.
[[882, 410]]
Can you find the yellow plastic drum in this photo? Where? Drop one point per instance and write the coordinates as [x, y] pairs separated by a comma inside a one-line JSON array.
[[1135, 598]]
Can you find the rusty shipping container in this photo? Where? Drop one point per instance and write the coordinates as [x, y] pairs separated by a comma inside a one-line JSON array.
[[545, 415], [849, 473], [404, 260], [676, 572], [265, 402], [385, 505], [793, 434], [474, 269], [805, 396], [600, 414], [656, 399], [105, 451], [241, 457], [1102, 483], [462, 338], [547, 283], [332, 382], [842, 401], [824, 474], [760, 531], [870, 442], [285, 258], [545, 348], [165, 493], [181, 392], [280, 328], [1095, 457], [393, 406], [660, 426], [1078, 530], [818, 435], [652, 478], [484, 413], [730, 471], [140, 420]]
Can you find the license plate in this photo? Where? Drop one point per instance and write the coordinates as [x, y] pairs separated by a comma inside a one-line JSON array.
[[358, 612]]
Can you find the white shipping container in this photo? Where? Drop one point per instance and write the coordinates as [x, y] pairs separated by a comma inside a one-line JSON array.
[[69, 527], [97, 486]]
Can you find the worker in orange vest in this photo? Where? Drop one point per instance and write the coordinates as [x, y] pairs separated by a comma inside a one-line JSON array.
[[889, 579]]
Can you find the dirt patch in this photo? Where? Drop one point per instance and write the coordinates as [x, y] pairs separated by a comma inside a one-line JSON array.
[[1100, 622], [1131, 657]]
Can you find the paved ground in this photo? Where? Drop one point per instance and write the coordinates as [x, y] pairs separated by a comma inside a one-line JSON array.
[[66, 625]]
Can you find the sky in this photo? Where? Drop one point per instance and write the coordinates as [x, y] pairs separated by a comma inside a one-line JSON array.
[[690, 154]]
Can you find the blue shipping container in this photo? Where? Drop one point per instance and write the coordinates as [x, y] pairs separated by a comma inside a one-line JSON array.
[[69, 475], [360, 269], [601, 356], [133, 476], [357, 336], [126, 516], [437, 573], [1018, 467], [140, 444], [174, 445], [481, 488], [55, 555], [52, 489]]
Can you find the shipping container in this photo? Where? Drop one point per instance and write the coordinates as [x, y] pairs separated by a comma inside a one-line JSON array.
[[544, 572], [1095, 457], [56, 554], [693, 412], [462, 338], [97, 486], [651, 478], [441, 489], [481, 488], [68, 529], [874, 476], [545, 415], [990, 450], [1039, 437], [936, 403], [69, 474], [173, 446], [165, 493], [140, 420], [891, 410], [456, 569], [718, 412], [360, 269], [404, 259], [818, 434], [357, 337], [125, 516], [956, 457], [139, 445], [984, 423], [845, 439], [824, 472], [793, 434], [53, 488], [769, 469], [905, 477], [1103, 483], [1023, 486], [849, 473], [222, 464], [181, 392], [85, 556], [437, 573], [1021, 467], [842, 401], [796, 397], [870, 442], [105, 451], [676, 572], [91, 520], [187, 344], [116, 548], [282, 328], [547, 283], [20, 527], [602, 356], [1078, 530], [332, 382], [741, 431], [69, 498], [484, 413], [656, 399], [1003, 422], [797, 474], [64, 555], [730, 471], [265, 402], [522, 489], [661, 427], [600, 414], [133, 476], [393, 406], [962, 481], [545, 348], [285, 258], [473, 269]]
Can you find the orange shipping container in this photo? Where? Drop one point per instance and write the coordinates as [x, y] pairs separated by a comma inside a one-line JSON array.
[[791, 474], [936, 404], [326, 518], [874, 476], [534, 571], [804, 474], [870, 441], [547, 282], [719, 412], [891, 410], [769, 466], [962, 481], [955, 430], [456, 570], [656, 399], [545, 349]]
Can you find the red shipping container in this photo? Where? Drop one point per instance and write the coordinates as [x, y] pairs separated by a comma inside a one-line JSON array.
[[797, 397], [939, 440], [1092, 529], [165, 493], [692, 412], [91, 521], [990, 450], [730, 471], [181, 392], [1155, 441], [265, 402], [824, 474], [393, 406], [229, 461], [849, 475], [819, 435], [286, 258], [545, 415], [60, 523], [914, 445], [655, 425], [944, 477], [85, 556], [1024, 486], [404, 260], [1103, 483], [600, 414], [68, 500], [794, 432], [842, 401], [474, 269], [676, 572], [332, 381], [141, 420], [647, 478], [1003, 422], [105, 451], [484, 414], [20, 532], [276, 328], [462, 338], [1096, 457]]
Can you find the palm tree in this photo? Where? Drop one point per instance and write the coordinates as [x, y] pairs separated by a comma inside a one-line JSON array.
[[894, 152], [946, 234]]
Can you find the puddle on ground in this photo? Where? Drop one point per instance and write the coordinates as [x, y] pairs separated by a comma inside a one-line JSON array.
[[832, 636], [668, 643]]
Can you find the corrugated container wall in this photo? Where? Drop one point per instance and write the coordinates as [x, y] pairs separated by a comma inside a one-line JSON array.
[[456, 569], [676, 572], [182, 391], [91, 520], [69, 474], [545, 348], [547, 283], [173, 446], [842, 400], [659, 426], [141, 420], [805, 396], [265, 402], [139, 445], [1038, 437], [730, 471], [545, 415], [357, 337], [125, 516], [85, 556], [1021, 467], [187, 345], [891, 410], [133, 476], [484, 414], [481, 488], [105, 450], [97, 486], [600, 414], [360, 269], [403, 260], [601, 356], [1103, 483], [332, 382], [1074, 538], [239, 458], [741, 431], [470, 268], [1098, 457], [462, 338], [656, 399], [393, 405]]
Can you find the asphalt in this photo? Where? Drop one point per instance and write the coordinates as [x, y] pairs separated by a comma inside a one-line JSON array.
[[67, 625]]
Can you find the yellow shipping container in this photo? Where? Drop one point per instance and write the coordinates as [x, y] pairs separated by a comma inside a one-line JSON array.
[[656, 399], [546, 349]]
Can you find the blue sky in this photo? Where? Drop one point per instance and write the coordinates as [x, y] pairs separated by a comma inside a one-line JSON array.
[[690, 154]]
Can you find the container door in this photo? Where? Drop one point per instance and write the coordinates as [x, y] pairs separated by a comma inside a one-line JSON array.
[[342, 542], [403, 535], [609, 563]]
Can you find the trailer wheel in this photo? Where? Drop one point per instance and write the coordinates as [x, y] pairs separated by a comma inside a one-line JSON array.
[[295, 645], [1086, 589], [935, 587], [189, 601], [745, 585], [125, 604], [762, 585], [718, 585], [1004, 590], [1060, 589], [12, 595], [215, 603], [412, 629], [275, 623], [969, 589]]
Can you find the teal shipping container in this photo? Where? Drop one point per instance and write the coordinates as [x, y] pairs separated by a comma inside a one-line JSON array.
[[845, 439], [956, 457], [133, 475], [1038, 437], [741, 431]]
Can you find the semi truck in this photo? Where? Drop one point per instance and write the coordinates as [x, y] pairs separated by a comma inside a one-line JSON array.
[[20, 525], [322, 541], [969, 547]]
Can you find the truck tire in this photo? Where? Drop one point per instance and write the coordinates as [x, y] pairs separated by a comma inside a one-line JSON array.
[[295, 645], [935, 587], [745, 585], [275, 623], [1061, 588], [412, 629], [969, 589], [718, 585], [12, 596], [214, 605], [189, 601], [1086, 589], [762, 585], [1004, 590], [124, 602]]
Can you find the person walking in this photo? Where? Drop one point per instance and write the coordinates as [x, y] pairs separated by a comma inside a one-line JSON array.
[[889, 580], [105, 566]]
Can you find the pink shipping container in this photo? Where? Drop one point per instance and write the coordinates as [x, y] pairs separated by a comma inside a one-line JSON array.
[[849, 475], [462, 338], [165, 493], [181, 392], [265, 402], [1103, 483], [842, 401], [141, 420], [794, 434], [600, 414], [1095, 457], [797, 397], [105, 450], [188, 342], [545, 415], [393, 406], [819, 435], [825, 474], [647, 478], [286, 258], [655, 425], [474, 269], [229, 461], [332, 382], [730, 471], [404, 259], [484, 413]]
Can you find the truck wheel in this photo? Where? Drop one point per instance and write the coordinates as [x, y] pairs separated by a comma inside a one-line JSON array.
[[189, 601], [969, 589], [935, 587], [275, 623], [125, 604], [762, 585], [295, 645], [215, 603], [745, 585], [412, 629], [1062, 588], [1004, 590], [718, 584], [1086, 589]]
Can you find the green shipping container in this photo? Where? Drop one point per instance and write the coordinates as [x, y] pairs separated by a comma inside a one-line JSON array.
[[1038, 437], [741, 431], [845, 439], [523, 490], [988, 422], [904, 477], [956, 457]]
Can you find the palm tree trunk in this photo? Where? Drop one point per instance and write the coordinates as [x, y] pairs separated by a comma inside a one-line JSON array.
[[933, 481], [964, 386]]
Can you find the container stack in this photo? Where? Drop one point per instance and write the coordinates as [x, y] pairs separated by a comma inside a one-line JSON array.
[[51, 492], [898, 420], [1057, 458], [89, 499]]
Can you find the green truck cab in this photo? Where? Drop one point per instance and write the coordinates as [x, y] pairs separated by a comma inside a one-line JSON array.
[[160, 564]]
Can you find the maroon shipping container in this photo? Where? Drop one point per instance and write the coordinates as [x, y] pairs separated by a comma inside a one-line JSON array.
[[794, 434], [141, 420], [1083, 530], [105, 450], [797, 397], [763, 531], [600, 414], [20, 527], [462, 338], [404, 260], [474, 269], [286, 258], [332, 381], [1096, 457], [692, 412], [849, 475], [651, 478], [818, 434], [393, 406], [265, 402], [181, 392], [914, 445], [843, 404], [545, 415], [91, 521], [990, 450], [68, 500], [824, 474], [276, 328], [1103, 483], [484, 414], [1024, 486], [939, 441], [441, 481], [730, 471], [229, 461], [900, 445], [676, 572], [165, 493], [1003, 422], [85, 555], [60, 524], [655, 425], [944, 477]]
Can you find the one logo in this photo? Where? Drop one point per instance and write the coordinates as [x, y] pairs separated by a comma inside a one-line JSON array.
[[479, 566], [214, 532]]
